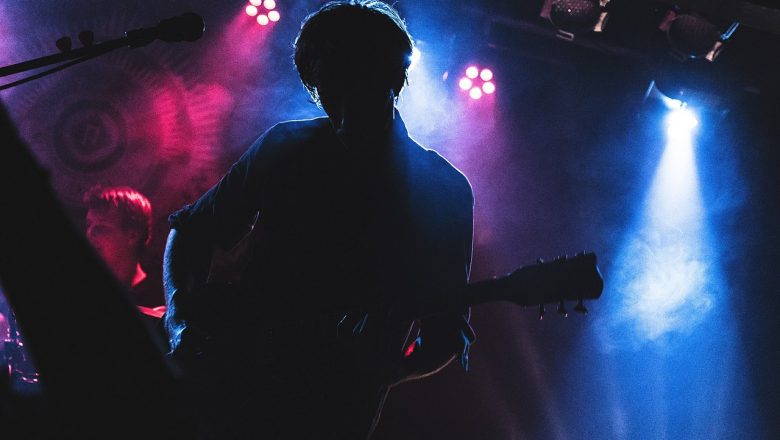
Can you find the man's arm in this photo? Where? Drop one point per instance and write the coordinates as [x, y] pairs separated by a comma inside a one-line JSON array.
[[184, 264], [218, 219], [447, 336]]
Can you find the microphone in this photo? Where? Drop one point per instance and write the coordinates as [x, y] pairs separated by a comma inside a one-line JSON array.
[[186, 27]]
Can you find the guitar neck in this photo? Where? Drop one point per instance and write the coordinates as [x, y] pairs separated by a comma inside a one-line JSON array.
[[565, 279]]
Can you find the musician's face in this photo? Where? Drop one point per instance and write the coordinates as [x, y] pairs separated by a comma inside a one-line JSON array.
[[358, 111], [111, 239]]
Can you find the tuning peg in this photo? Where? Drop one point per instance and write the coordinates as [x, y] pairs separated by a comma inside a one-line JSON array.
[[540, 260], [64, 44], [541, 312], [358, 328], [338, 325], [562, 310], [580, 307]]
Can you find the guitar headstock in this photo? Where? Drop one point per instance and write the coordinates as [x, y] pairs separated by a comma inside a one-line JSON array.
[[561, 279]]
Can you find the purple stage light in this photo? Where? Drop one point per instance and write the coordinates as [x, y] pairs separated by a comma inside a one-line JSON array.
[[264, 11], [477, 82]]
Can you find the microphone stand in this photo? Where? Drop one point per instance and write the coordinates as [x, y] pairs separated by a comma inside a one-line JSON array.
[[168, 30], [87, 53]]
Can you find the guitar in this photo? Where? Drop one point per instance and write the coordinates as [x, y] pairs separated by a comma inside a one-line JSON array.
[[378, 347], [212, 309]]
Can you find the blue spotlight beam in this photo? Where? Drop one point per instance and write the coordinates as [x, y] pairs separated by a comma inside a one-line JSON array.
[[670, 364], [664, 269]]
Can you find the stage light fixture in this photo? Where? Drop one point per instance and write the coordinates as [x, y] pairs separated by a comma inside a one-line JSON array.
[[653, 92], [692, 36], [264, 11], [681, 123], [576, 16], [477, 82]]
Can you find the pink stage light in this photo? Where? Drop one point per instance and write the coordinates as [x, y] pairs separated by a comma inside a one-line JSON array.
[[264, 10], [477, 82]]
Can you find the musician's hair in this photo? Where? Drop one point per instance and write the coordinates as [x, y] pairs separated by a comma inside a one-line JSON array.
[[352, 40], [134, 208]]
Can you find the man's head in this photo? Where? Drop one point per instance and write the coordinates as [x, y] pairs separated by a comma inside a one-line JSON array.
[[119, 222], [352, 57]]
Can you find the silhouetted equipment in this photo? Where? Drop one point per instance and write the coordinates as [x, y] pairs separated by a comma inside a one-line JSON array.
[[186, 27]]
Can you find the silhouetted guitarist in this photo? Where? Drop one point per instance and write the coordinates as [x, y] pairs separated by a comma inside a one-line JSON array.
[[352, 216]]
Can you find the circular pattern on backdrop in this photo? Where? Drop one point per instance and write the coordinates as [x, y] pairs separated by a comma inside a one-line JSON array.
[[90, 136], [127, 118], [113, 122]]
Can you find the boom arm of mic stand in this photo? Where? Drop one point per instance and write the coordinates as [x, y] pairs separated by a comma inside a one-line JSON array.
[[136, 38], [62, 66], [91, 52], [186, 27]]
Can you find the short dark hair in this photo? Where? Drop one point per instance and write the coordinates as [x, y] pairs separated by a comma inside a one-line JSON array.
[[133, 207], [365, 38]]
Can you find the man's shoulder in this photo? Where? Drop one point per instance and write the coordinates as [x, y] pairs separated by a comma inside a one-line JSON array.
[[436, 165], [287, 139], [296, 132]]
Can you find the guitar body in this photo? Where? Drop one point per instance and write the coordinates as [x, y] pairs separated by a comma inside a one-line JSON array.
[[288, 377]]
